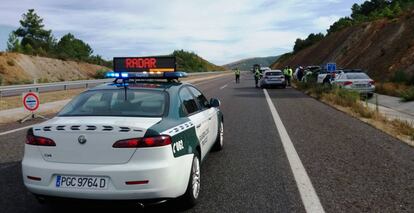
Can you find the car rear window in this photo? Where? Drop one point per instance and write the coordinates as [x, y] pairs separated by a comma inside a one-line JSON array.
[[137, 103], [273, 73], [357, 76]]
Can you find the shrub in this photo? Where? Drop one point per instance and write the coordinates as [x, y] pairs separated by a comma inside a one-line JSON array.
[[407, 95], [10, 62], [345, 97], [400, 77], [319, 90], [100, 74]]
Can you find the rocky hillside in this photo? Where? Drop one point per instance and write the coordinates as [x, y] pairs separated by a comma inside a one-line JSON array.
[[18, 68], [382, 47], [246, 64]]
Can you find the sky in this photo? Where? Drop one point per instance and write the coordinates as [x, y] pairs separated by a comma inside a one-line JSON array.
[[221, 31]]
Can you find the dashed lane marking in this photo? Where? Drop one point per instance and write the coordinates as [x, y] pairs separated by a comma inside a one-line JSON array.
[[223, 87]]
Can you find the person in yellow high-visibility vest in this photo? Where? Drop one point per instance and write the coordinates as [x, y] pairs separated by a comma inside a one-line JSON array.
[[288, 72], [237, 74]]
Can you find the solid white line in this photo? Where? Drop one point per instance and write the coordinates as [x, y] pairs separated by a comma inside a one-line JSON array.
[[15, 130], [223, 87], [307, 192]]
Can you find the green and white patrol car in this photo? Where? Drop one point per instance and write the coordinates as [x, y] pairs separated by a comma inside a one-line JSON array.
[[130, 140]]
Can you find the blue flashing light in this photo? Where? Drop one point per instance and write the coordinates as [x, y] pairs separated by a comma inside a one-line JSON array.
[[175, 75], [116, 75], [124, 75], [146, 75]]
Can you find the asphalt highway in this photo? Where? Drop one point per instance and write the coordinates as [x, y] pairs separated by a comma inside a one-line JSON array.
[[351, 166]]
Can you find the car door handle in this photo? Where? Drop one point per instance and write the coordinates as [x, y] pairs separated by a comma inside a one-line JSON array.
[[210, 118], [198, 126]]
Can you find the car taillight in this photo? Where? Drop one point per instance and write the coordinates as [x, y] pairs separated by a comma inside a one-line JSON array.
[[161, 140], [31, 139], [346, 83]]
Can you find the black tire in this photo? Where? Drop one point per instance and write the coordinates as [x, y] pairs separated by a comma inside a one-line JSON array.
[[191, 195], [218, 145]]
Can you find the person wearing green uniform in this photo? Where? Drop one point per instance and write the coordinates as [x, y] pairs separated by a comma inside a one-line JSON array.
[[237, 73], [256, 77]]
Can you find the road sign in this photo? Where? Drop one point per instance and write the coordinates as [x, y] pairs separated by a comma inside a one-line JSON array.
[[331, 67], [31, 101]]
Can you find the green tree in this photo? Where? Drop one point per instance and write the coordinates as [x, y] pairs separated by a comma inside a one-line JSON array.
[[28, 49], [70, 47], [340, 24], [309, 41], [32, 32], [13, 43]]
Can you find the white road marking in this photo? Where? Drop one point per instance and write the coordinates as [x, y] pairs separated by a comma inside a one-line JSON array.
[[308, 194], [223, 87], [15, 130]]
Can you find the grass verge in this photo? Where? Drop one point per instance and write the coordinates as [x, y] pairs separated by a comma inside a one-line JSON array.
[[350, 103], [404, 91], [45, 97]]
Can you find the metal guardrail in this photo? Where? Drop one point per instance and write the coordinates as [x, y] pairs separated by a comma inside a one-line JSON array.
[[16, 90]]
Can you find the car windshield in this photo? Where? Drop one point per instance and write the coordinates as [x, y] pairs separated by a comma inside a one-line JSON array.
[[137, 103], [360, 75], [273, 73]]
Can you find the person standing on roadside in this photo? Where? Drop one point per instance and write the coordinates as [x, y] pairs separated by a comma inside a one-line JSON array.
[[288, 75], [237, 74], [256, 76], [288, 72], [300, 73]]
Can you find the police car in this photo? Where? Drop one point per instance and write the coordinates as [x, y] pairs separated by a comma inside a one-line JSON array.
[[134, 139]]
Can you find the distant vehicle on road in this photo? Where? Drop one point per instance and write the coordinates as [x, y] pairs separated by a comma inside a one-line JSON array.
[[356, 80], [264, 69], [325, 77], [273, 78]]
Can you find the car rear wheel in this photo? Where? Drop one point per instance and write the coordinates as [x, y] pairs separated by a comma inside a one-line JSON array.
[[218, 145], [190, 197]]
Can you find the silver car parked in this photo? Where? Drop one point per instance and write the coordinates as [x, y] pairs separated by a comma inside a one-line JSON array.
[[357, 81], [273, 78]]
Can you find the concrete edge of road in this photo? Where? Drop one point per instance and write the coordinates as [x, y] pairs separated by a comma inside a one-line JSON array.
[[14, 115]]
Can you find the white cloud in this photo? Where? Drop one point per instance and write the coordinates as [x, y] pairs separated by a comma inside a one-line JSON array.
[[220, 31]]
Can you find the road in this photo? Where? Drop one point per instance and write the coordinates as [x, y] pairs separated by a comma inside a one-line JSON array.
[[351, 166]]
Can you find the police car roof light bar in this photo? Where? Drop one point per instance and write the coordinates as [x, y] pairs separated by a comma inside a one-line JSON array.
[[125, 76]]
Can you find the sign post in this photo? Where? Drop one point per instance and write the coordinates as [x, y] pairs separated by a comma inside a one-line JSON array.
[[31, 103]]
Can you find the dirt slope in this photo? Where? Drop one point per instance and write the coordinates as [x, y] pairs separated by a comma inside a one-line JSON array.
[[381, 47], [19, 68]]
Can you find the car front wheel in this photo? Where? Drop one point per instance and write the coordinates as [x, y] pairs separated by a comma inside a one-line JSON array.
[[218, 145], [190, 197]]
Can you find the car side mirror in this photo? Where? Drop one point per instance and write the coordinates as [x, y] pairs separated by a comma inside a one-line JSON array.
[[214, 102]]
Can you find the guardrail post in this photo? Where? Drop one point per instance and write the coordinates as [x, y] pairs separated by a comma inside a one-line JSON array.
[[376, 102], [1, 101], [86, 85], [64, 87]]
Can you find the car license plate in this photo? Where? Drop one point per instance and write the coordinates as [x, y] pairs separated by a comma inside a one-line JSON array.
[[81, 182], [361, 85]]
